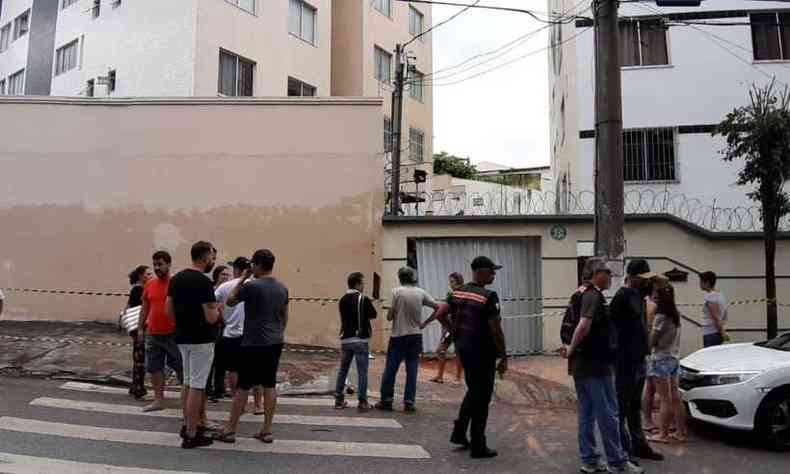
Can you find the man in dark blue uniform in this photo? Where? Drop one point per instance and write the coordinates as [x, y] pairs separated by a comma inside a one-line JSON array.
[[477, 328]]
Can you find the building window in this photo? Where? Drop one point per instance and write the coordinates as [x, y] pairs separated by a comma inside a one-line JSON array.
[[384, 6], [297, 88], [383, 63], [771, 36], [66, 58], [116, 3], [21, 25], [387, 134], [643, 43], [416, 21], [96, 9], [416, 85], [235, 75], [5, 37], [416, 145], [111, 81], [16, 83], [246, 5], [649, 155], [67, 3], [90, 88], [2, 86], [301, 20]]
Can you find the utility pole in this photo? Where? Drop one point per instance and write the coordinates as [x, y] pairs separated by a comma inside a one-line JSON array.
[[397, 127], [609, 201]]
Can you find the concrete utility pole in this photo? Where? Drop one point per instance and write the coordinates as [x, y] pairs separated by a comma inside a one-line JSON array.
[[397, 127], [609, 201]]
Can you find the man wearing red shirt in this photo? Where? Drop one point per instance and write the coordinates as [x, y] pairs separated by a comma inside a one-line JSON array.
[[159, 330]]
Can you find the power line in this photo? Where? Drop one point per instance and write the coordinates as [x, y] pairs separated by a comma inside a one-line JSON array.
[[532, 13], [456, 15]]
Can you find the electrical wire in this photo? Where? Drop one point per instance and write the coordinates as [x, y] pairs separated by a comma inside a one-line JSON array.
[[453, 17], [534, 14]]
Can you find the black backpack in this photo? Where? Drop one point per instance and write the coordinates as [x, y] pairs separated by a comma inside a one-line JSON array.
[[572, 316]]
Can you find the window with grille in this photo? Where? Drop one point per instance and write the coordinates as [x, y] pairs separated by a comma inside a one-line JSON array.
[[416, 21], [68, 3], [21, 25], [771, 36], [66, 58], [384, 6], [387, 134], [301, 20], [416, 145], [383, 65], [2, 86], [235, 75], [643, 43], [297, 88], [16, 83], [5, 37], [649, 155], [90, 88], [96, 10], [416, 85]]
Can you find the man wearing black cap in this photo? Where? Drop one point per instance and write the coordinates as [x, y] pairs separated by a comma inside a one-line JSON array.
[[628, 310], [477, 328]]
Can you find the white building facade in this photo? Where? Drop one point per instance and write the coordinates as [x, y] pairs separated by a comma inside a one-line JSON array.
[[683, 70]]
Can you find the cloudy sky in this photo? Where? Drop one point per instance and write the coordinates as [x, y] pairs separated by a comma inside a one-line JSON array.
[[501, 116]]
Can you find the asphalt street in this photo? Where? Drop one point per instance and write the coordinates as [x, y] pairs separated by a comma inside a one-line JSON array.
[[46, 428]]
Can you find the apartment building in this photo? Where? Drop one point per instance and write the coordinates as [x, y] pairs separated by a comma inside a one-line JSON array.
[[156, 48], [364, 35], [683, 70]]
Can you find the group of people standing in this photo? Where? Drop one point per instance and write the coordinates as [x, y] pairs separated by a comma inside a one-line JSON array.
[[621, 354], [195, 323]]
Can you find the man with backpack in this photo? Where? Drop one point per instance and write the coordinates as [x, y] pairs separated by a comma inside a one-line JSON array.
[[591, 362]]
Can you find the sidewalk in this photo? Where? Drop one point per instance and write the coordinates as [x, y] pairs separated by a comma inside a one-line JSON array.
[[99, 352]]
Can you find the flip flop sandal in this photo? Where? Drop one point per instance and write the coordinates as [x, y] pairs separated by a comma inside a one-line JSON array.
[[436, 381], [656, 439], [229, 437], [651, 430], [264, 438], [259, 413]]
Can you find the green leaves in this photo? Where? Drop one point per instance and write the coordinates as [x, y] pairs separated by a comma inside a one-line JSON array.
[[457, 167]]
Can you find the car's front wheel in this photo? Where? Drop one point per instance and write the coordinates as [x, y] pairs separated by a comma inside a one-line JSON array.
[[773, 419]]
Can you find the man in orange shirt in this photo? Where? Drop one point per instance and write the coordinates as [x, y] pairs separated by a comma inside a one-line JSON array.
[[159, 330]]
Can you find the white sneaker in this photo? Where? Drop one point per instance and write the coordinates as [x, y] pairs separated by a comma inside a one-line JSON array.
[[629, 468], [593, 468]]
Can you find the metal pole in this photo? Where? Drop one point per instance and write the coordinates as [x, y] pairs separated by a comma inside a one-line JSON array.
[[609, 219], [397, 127]]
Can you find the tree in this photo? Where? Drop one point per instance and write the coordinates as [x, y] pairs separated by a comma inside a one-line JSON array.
[[457, 167], [759, 134]]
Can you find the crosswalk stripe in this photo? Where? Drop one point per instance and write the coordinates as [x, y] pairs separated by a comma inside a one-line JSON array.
[[356, 422], [18, 464], [152, 438], [170, 395]]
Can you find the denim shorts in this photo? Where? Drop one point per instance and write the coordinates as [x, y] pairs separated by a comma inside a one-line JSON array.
[[666, 367]]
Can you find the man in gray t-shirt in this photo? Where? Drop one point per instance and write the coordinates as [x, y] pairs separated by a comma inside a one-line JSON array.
[[714, 312], [264, 300]]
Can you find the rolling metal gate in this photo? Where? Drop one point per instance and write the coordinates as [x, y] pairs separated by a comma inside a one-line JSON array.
[[520, 277]]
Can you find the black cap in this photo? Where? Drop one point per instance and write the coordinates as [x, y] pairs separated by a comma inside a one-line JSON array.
[[640, 268], [241, 263], [263, 257], [482, 262]]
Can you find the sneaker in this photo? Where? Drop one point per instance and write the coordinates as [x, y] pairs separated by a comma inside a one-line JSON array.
[[628, 468], [340, 404], [593, 468], [409, 408], [483, 453], [384, 406], [364, 406], [198, 441]]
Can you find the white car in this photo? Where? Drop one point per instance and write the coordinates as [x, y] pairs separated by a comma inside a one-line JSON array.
[[743, 387]]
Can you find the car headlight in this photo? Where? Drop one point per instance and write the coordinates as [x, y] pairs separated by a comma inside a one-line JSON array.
[[727, 379]]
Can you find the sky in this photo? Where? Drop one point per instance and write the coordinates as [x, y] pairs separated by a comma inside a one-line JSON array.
[[501, 116]]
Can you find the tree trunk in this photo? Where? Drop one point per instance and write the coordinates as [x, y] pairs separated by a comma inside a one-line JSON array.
[[772, 327]]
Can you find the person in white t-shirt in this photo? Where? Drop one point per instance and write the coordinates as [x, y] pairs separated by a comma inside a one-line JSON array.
[[714, 311]]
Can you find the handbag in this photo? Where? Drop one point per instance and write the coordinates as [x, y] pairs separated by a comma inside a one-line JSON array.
[[130, 319]]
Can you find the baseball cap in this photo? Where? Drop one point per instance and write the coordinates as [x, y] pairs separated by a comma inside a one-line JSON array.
[[241, 263], [263, 257], [483, 262]]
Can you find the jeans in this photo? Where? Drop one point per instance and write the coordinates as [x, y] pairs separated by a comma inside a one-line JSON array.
[[710, 340], [402, 348], [479, 372], [349, 352], [629, 400], [597, 404]]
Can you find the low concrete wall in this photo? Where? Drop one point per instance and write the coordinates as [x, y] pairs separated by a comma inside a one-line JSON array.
[[92, 188]]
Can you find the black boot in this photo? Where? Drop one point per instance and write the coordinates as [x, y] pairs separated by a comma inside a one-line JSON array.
[[480, 450], [459, 436]]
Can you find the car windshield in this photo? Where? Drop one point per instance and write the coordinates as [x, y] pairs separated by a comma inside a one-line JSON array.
[[781, 343]]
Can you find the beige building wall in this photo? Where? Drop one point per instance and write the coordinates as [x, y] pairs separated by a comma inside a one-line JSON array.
[[358, 28], [738, 261], [93, 187], [263, 38]]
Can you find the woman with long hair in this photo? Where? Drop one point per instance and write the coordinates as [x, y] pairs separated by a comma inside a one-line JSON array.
[[138, 278], [664, 364]]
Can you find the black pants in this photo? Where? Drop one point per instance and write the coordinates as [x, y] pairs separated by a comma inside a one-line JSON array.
[[480, 370], [630, 386]]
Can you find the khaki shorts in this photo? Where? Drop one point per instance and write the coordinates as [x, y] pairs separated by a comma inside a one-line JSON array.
[[197, 360]]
